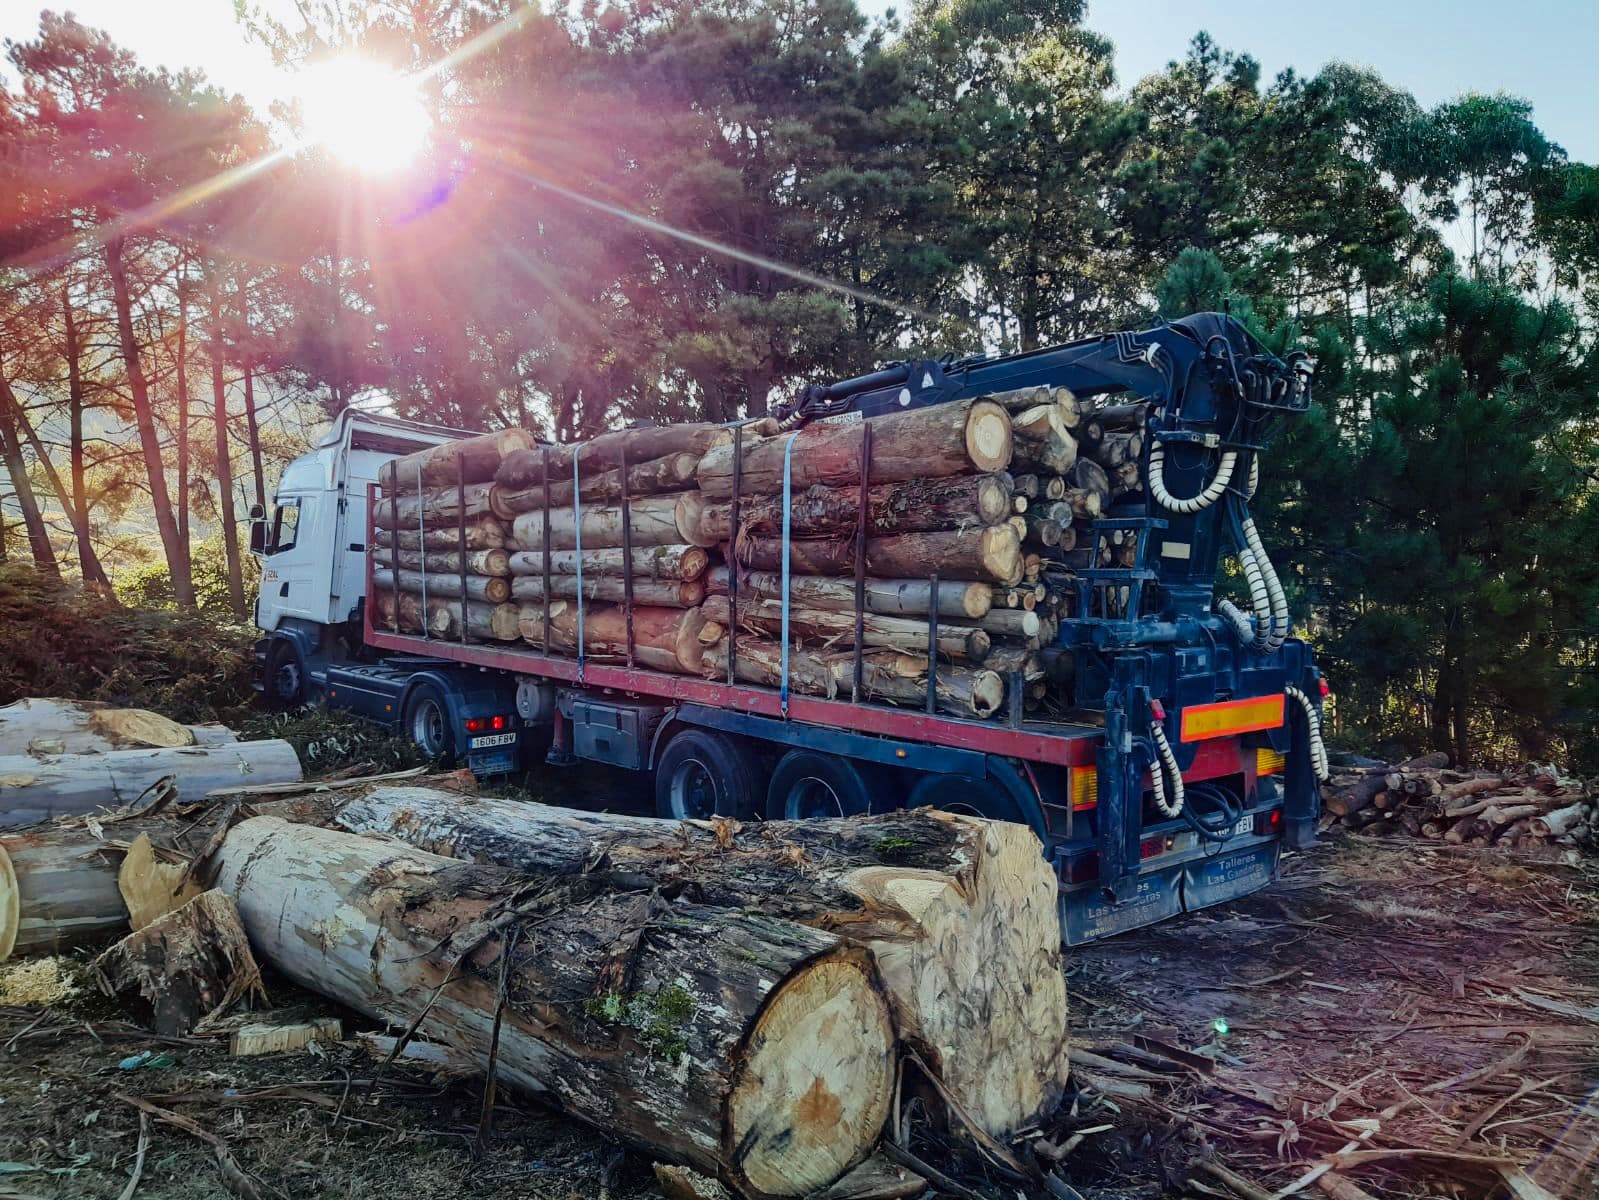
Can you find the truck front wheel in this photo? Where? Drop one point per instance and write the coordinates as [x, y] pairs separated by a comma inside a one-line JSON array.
[[285, 677], [702, 774], [427, 721]]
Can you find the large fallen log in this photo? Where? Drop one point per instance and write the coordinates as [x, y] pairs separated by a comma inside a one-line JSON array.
[[959, 912], [491, 589], [908, 506], [920, 443], [39, 788], [669, 593], [666, 639], [441, 618], [965, 600], [482, 533], [49, 725], [477, 458], [886, 675], [992, 554], [746, 1046], [445, 562], [648, 562], [436, 507], [525, 468], [908, 635], [671, 520]]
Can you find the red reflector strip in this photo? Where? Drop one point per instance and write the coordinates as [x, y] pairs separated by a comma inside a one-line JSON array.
[[1229, 717]]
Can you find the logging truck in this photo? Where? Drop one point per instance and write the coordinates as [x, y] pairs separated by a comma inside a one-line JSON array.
[[985, 585]]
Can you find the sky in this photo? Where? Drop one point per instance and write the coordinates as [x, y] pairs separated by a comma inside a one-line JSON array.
[[1542, 50]]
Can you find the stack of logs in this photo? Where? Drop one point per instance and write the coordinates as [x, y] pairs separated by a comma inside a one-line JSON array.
[[995, 496], [1528, 807]]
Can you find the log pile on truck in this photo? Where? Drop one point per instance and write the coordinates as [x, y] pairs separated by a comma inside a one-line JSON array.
[[923, 557], [750, 1002], [1531, 806]]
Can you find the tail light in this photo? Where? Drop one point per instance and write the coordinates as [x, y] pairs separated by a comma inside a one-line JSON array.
[[1325, 689], [487, 724], [1085, 788], [1150, 847], [1269, 762], [1081, 868], [1269, 822]]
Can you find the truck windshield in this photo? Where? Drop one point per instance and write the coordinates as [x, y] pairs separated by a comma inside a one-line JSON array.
[[285, 526]]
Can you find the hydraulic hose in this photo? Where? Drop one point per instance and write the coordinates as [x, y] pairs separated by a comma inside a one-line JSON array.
[[1318, 748], [1213, 490], [1278, 610], [1168, 762], [1243, 627]]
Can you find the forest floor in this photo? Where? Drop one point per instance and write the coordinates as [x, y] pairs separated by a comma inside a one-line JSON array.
[[1460, 986]]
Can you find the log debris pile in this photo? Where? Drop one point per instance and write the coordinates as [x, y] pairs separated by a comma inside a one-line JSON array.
[[1532, 806], [750, 1003]]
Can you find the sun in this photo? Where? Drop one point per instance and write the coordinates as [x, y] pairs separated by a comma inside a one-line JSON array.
[[363, 114]]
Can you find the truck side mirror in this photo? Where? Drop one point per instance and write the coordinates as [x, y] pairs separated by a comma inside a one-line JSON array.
[[257, 513], [257, 531]]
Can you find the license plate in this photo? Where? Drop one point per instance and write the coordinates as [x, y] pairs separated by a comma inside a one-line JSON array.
[[493, 739], [1245, 827]]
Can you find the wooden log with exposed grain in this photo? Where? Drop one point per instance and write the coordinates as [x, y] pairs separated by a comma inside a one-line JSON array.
[[475, 458]]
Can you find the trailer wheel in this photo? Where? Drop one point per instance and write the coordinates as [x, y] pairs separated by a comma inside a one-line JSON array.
[[964, 794], [702, 773], [807, 785], [427, 721]]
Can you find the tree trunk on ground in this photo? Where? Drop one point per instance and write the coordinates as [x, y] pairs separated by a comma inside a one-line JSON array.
[[482, 533], [670, 520], [648, 562], [176, 550], [670, 593], [954, 892], [50, 726], [672, 473], [491, 589], [665, 639], [837, 629], [480, 456], [922, 443], [910, 506], [885, 675], [478, 562], [524, 468], [33, 789], [992, 554], [226, 516], [891, 597], [88, 561], [484, 622], [748, 1047], [44, 555]]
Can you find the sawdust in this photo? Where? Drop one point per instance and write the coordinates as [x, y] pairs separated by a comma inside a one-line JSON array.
[[37, 982]]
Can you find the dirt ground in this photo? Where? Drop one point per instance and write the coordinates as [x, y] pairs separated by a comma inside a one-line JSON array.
[[1384, 998]]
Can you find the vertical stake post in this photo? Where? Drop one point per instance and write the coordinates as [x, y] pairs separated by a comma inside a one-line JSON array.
[[860, 561], [546, 545], [627, 557], [394, 524], [460, 529], [732, 556], [932, 648], [422, 559]]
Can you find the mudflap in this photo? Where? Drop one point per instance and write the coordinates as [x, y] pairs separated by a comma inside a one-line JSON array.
[[1089, 915], [1227, 877]]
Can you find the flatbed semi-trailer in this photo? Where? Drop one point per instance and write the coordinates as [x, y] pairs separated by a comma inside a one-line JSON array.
[[1168, 691]]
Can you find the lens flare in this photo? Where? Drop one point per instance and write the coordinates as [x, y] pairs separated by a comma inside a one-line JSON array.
[[364, 114]]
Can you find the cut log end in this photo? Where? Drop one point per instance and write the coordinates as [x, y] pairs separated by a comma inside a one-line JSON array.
[[988, 436], [815, 1083], [10, 906]]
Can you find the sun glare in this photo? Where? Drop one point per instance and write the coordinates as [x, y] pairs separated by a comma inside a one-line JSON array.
[[364, 114]]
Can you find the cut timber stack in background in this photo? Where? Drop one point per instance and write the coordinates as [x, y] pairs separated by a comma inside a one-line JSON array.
[[747, 1002], [1532, 806]]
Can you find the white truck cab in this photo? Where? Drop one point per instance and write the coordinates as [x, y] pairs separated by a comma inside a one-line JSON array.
[[313, 546]]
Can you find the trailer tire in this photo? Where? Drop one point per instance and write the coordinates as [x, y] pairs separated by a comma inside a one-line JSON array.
[[702, 773], [427, 722], [964, 794], [808, 784]]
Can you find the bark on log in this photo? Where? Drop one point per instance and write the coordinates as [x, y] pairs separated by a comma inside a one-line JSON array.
[[923, 443], [648, 562], [1041, 440], [480, 456], [890, 597], [909, 506], [482, 533], [491, 589], [666, 639], [1089, 475], [671, 473], [1011, 623], [837, 629], [445, 562], [752, 1048], [1119, 449], [434, 508], [886, 675], [1021, 399], [524, 468], [992, 554], [1043, 531], [57, 890], [47, 725], [36, 789], [656, 521], [1561, 821], [485, 622], [955, 893], [668, 593]]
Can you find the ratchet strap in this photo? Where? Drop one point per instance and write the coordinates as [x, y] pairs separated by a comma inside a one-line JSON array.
[[577, 526], [788, 491]]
